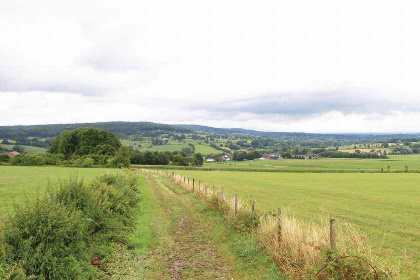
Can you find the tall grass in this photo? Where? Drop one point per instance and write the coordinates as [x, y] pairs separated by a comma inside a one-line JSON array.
[[301, 249]]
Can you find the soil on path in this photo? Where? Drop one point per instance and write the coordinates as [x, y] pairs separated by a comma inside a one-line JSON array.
[[184, 248]]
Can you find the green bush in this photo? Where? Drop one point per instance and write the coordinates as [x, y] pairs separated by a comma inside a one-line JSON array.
[[50, 239], [4, 158], [55, 237], [36, 159]]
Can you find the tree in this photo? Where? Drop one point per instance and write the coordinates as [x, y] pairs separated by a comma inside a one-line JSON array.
[[19, 149], [85, 141], [187, 150], [198, 159], [180, 160], [122, 158], [4, 158]]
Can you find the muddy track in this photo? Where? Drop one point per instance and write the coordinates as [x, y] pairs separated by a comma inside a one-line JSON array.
[[184, 247]]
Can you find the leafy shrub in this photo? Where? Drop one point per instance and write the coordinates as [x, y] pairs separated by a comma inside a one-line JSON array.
[[54, 237], [36, 159], [338, 266], [13, 272], [50, 240], [4, 158], [88, 162]]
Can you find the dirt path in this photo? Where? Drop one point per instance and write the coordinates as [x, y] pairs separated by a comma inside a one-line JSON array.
[[185, 247]]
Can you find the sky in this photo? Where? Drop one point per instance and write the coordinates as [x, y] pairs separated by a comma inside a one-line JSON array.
[[307, 66]]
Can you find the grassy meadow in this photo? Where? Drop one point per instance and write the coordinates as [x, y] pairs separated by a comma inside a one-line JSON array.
[[384, 207], [19, 183], [397, 163], [28, 149]]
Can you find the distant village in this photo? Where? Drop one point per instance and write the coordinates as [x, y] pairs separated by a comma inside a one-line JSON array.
[[266, 156]]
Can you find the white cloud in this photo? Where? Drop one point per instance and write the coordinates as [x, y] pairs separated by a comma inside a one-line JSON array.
[[182, 61]]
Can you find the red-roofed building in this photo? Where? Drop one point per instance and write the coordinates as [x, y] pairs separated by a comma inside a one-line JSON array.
[[12, 154]]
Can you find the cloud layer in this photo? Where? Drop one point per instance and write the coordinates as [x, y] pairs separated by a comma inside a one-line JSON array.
[[317, 66]]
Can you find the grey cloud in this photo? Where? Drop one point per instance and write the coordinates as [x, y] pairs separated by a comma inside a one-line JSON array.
[[22, 84], [306, 104], [109, 60]]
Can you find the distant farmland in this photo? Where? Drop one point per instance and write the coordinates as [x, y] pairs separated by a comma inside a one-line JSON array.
[[172, 146]]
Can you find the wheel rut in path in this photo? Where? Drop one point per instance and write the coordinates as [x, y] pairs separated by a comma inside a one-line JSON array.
[[184, 249]]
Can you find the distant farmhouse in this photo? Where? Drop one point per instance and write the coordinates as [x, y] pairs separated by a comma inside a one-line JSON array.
[[13, 154], [273, 156], [222, 158], [307, 156]]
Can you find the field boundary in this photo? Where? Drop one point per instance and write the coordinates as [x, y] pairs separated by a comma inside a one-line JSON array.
[[174, 167], [299, 248]]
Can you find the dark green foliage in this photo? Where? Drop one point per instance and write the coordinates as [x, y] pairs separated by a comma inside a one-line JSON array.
[[19, 149], [165, 158], [4, 158], [85, 141], [50, 238], [197, 160], [242, 155], [122, 158], [119, 128], [151, 158], [179, 159], [55, 237], [36, 159]]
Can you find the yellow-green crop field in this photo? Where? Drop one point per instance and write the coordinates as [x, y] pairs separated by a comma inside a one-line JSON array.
[[385, 207]]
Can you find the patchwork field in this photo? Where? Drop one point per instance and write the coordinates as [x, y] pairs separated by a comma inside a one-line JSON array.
[[20, 183], [172, 146], [385, 207]]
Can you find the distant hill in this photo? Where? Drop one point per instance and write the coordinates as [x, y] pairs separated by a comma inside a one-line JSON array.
[[121, 129], [126, 129]]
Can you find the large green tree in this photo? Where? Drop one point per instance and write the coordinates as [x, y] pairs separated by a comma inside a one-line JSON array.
[[85, 141]]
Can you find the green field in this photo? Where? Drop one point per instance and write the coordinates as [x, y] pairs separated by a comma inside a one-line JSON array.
[[18, 183], [28, 149], [385, 207], [397, 163]]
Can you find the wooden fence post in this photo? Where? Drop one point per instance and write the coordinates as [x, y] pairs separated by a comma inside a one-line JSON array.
[[213, 191], [236, 204], [279, 225], [253, 207], [222, 193], [193, 183], [333, 244]]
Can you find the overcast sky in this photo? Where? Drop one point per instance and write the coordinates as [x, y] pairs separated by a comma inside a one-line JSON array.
[[338, 66]]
